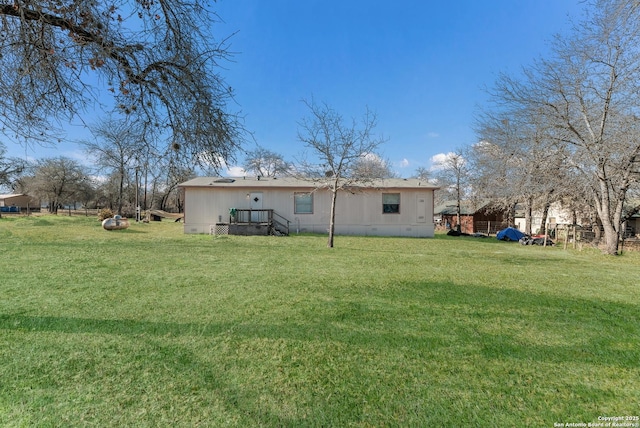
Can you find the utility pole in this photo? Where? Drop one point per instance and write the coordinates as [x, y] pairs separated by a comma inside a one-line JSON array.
[[137, 196]]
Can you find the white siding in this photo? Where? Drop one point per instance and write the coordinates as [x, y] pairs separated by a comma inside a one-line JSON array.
[[556, 212], [356, 214]]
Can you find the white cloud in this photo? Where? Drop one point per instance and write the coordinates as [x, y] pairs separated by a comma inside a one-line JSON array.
[[404, 163], [439, 161], [440, 158], [433, 135], [235, 171], [371, 157], [229, 170]]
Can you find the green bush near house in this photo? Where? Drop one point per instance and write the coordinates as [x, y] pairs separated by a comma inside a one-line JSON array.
[[150, 327]]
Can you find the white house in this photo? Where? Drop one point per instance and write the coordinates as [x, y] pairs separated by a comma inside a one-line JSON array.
[[557, 215], [389, 207], [561, 216]]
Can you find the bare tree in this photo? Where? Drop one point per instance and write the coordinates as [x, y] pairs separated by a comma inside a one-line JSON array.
[[158, 59], [423, 173], [169, 194], [372, 166], [57, 181], [116, 151], [517, 162], [10, 168], [338, 146], [588, 92], [452, 173], [266, 163]]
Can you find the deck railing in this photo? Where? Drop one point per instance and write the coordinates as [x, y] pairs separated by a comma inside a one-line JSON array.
[[267, 217]]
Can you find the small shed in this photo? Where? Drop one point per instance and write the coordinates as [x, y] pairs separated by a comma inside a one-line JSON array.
[[17, 202]]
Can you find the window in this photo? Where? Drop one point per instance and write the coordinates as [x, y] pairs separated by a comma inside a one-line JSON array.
[[391, 203], [303, 203]]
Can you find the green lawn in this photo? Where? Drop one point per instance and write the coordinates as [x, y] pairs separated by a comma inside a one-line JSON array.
[[150, 327]]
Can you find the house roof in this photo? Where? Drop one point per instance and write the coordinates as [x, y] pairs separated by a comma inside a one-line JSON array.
[[466, 207], [289, 182], [11, 195]]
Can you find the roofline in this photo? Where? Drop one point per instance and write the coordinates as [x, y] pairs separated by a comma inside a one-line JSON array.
[[290, 182]]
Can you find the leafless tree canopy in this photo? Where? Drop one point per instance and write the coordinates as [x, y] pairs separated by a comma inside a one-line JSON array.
[[9, 167], [582, 104], [155, 61], [266, 163], [452, 175], [118, 151], [56, 181], [338, 147], [518, 162], [371, 166]]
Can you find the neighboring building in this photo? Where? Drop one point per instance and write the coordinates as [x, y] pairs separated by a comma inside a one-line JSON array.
[[18, 202], [390, 207], [558, 216], [633, 226], [475, 217]]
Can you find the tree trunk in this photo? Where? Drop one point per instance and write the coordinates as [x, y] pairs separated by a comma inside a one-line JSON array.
[[610, 222], [163, 201], [179, 204], [458, 220], [612, 234], [611, 239], [545, 213], [332, 218], [527, 215], [511, 215], [595, 225], [121, 191], [146, 183]]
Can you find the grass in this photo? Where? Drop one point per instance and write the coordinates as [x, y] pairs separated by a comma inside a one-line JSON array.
[[150, 327]]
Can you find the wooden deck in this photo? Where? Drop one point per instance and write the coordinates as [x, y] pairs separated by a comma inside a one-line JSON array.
[[257, 222]]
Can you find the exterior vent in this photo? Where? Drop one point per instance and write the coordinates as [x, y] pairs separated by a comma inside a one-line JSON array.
[[224, 180]]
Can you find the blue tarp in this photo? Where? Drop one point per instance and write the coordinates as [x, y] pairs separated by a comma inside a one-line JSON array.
[[509, 234]]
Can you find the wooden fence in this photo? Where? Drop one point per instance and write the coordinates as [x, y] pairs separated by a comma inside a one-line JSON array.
[[489, 227]]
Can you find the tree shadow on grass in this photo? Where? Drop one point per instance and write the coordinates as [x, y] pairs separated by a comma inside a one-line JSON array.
[[105, 326], [444, 315], [473, 319]]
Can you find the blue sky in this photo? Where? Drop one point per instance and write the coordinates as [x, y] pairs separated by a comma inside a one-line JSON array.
[[421, 65]]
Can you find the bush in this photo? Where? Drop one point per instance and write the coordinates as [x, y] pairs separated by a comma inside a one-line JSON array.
[[104, 213]]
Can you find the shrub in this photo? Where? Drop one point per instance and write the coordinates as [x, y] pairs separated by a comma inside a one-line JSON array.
[[105, 213]]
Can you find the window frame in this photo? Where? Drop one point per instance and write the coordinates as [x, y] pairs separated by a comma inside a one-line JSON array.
[[391, 210], [296, 195]]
